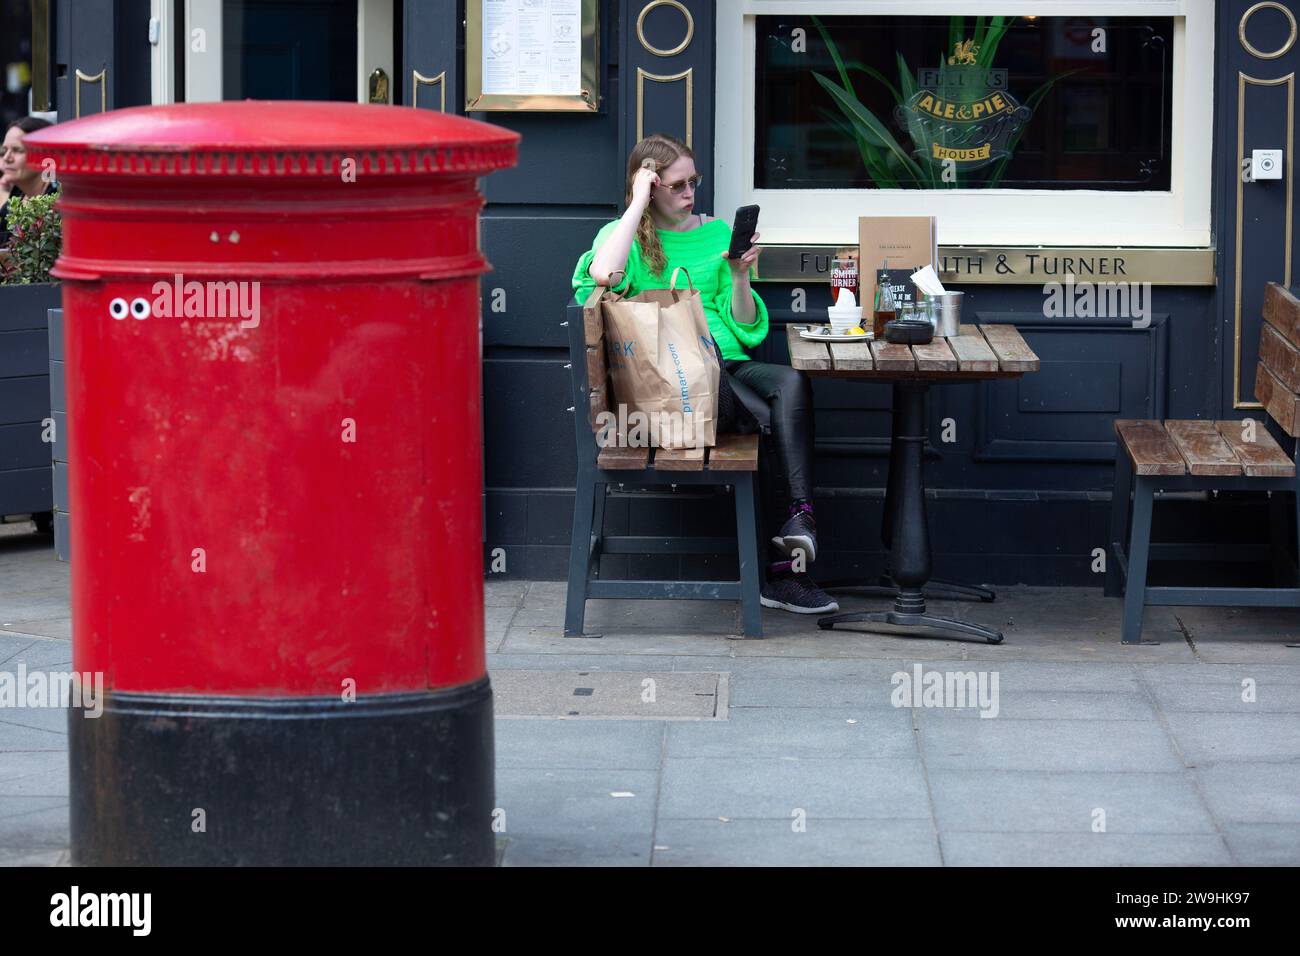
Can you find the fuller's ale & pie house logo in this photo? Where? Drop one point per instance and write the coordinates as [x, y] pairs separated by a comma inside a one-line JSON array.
[[962, 112]]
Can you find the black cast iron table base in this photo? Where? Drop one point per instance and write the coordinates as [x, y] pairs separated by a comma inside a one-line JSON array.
[[935, 589], [906, 624], [906, 533]]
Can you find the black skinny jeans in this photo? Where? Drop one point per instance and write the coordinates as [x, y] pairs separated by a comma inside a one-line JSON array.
[[776, 402]]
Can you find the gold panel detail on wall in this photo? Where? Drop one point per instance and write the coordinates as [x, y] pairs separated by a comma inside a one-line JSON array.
[[1242, 80], [640, 27], [642, 76], [1246, 45], [42, 38], [418, 79], [102, 79]]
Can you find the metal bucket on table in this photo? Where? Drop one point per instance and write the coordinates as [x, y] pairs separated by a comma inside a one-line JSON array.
[[947, 312]]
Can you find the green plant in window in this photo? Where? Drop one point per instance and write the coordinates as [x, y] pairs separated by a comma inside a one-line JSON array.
[[958, 91]]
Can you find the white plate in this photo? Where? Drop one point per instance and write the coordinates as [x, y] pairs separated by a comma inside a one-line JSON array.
[[812, 336]]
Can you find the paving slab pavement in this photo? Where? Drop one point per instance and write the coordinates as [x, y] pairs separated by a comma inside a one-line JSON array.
[[1087, 753]]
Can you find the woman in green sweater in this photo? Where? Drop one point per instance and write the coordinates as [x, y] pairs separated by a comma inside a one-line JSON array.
[[660, 231]]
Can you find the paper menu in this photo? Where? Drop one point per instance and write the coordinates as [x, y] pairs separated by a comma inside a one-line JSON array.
[[532, 46], [893, 242]]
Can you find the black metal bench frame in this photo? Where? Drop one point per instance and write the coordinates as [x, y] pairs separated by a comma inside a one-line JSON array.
[[589, 541]]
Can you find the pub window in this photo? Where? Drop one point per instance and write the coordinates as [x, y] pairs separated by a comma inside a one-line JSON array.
[[1018, 122], [963, 102]]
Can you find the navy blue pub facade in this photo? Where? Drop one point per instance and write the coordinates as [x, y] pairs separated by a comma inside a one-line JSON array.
[[1129, 168]]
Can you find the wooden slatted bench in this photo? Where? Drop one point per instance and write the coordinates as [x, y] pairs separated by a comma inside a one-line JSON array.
[[731, 463], [1205, 455]]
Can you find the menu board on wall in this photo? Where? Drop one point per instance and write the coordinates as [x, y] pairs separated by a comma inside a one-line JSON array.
[[532, 47], [532, 55]]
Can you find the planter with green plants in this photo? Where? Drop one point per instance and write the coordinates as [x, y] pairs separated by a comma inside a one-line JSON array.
[[28, 427]]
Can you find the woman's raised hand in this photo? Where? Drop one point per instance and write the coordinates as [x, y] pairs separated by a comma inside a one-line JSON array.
[[740, 267], [645, 178]]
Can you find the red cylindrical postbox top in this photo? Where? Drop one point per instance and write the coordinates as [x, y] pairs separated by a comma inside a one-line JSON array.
[[266, 138], [341, 173]]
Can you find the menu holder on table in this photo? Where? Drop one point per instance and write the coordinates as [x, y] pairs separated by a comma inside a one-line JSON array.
[[894, 242]]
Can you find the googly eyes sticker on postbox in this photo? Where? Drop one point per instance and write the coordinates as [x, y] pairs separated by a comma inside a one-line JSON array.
[[137, 308]]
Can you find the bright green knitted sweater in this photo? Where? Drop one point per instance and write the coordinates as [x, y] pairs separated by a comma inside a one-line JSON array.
[[700, 251]]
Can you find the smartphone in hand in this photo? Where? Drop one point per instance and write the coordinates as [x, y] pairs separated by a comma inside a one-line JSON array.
[[742, 231]]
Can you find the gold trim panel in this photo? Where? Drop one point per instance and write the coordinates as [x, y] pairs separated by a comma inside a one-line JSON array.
[[418, 79], [640, 27], [42, 37], [1242, 80], [1241, 30], [687, 75], [586, 100], [102, 79], [1016, 265]]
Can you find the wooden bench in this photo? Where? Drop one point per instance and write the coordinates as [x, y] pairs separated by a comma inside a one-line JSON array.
[[1203, 455], [731, 463]]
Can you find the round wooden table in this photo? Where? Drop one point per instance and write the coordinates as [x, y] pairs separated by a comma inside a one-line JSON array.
[[979, 353]]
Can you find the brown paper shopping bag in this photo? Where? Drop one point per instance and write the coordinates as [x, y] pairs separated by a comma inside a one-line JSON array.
[[662, 365]]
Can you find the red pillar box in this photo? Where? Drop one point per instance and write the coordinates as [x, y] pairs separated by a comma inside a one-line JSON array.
[[273, 372]]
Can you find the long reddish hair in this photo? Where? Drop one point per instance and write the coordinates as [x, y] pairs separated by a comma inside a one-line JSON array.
[[659, 151]]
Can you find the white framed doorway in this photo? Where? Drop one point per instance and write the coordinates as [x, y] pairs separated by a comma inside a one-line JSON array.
[[207, 50]]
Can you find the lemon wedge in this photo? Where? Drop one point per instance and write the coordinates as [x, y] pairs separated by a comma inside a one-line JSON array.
[[857, 330]]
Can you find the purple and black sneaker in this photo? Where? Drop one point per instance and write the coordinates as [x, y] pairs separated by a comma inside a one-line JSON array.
[[799, 533], [797, 592]]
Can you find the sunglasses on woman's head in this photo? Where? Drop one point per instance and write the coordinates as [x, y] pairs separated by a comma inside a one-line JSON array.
[[677, 188]]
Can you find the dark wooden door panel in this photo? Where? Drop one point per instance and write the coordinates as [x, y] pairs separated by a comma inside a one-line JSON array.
[[1090, 375]]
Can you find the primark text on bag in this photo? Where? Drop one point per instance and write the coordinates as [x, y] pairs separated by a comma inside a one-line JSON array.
[[663, 367]]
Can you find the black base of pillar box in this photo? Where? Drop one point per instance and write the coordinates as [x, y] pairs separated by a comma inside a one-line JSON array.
[[387, 780]]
